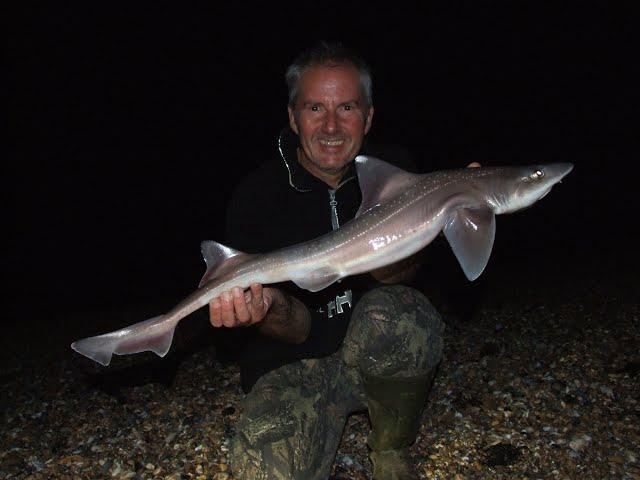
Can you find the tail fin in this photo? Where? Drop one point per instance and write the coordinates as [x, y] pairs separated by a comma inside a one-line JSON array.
[[155, 334]]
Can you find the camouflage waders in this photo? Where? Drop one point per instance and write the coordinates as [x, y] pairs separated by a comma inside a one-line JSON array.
[[292, 420]]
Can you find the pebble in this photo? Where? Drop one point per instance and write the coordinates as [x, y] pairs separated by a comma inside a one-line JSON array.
[[607, 391], [579, 442], [346, 460], [116, 470], [36, 464], [106, 466], [11, 459], [616, 458]]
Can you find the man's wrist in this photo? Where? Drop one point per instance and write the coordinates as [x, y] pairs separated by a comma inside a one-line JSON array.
[[281, 307], [288, 319]]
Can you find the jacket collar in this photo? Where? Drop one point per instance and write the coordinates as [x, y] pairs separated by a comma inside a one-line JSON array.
[[300, 179]]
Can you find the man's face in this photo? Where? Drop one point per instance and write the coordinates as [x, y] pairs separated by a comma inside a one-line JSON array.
[[330, 117]]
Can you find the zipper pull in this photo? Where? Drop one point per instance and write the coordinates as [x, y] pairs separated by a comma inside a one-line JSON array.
[[335, 224]]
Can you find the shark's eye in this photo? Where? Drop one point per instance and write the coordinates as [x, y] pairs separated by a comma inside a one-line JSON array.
[[537, 174]]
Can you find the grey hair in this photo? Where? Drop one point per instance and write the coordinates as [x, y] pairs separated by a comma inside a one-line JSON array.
[[328, 53]]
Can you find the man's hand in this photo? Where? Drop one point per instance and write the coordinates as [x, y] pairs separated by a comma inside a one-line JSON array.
[[474, 165], [277, 314], [237, 308]]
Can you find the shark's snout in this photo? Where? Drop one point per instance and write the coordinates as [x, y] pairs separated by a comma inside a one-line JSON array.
[[559, 170]]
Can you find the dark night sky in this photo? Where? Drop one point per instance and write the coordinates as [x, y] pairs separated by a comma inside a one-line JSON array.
[[128, 126]]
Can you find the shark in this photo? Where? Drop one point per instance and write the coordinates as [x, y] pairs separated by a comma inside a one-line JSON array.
[[400, 214]]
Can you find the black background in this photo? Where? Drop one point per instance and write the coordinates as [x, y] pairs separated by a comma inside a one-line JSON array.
[[129, 124]]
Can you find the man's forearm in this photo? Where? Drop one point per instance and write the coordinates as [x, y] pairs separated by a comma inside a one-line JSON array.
[[288, 320]]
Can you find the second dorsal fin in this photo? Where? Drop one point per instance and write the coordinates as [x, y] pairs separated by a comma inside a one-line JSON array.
[[219, 258]]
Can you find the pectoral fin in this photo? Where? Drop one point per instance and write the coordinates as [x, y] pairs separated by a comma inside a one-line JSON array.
[[317, 279], [470, 232]]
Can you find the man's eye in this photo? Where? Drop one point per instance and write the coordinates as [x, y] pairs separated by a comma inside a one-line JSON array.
[[315, 108], [348, 107]]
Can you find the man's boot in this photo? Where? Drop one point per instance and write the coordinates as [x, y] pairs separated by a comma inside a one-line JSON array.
[[395, 407]]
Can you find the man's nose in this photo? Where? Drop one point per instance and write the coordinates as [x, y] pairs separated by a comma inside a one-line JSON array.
[[330, 123]]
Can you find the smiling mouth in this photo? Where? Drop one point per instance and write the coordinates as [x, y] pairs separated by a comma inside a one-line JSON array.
[[331, 143]]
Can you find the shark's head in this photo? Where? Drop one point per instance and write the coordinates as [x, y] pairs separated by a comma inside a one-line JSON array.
[[526, 185]]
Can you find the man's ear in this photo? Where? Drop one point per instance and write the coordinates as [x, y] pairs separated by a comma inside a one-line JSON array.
[[292, 120], [368, 120]]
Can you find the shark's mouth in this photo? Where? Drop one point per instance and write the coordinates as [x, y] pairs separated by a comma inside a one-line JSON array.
[[546, 192]]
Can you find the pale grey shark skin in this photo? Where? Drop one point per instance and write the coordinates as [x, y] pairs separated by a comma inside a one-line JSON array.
[[400, 214]]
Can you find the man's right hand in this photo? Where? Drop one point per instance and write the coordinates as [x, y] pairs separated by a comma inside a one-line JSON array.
[[236, 308], [278, 314]]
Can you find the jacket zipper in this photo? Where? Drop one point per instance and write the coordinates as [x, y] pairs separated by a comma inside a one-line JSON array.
[[335, 224]]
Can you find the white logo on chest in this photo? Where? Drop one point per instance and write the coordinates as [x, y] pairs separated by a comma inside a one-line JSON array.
[[335, 306]]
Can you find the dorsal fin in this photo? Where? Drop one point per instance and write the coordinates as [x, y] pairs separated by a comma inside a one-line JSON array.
[[219, 258], [380, 181]]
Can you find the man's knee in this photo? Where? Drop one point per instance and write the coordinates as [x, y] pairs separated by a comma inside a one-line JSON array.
[[394, 330]]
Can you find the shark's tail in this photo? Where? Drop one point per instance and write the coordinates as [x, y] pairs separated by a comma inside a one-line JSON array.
[[155, 334]]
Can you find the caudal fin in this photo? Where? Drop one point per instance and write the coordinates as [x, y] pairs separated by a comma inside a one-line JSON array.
[[155, 335]]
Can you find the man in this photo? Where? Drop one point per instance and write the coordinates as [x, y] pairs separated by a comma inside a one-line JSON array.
[[366, 343]]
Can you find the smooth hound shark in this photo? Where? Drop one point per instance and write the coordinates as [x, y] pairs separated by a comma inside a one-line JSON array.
[[400, 214]]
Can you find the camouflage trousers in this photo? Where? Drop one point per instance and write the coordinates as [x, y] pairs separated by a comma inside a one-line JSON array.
[[292, 420]]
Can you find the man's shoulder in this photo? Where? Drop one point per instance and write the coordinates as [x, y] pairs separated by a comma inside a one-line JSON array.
[[269, 170], [264, 177]]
